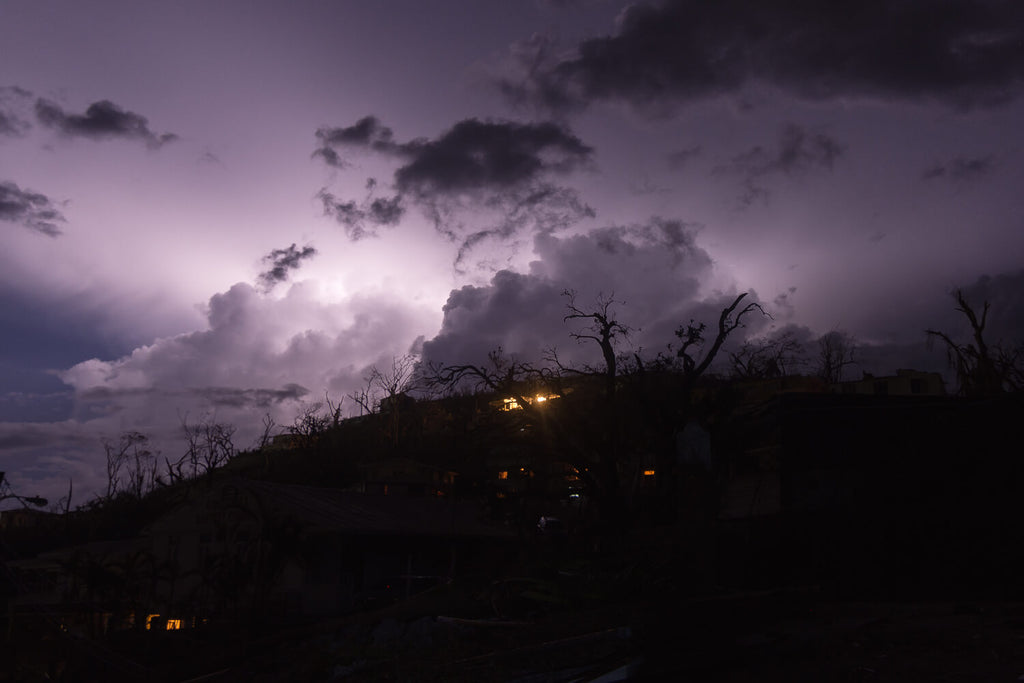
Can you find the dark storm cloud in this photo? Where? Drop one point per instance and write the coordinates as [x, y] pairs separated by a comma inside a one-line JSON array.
[[102, 119], [963, 52], [361, 220], [960, 169], [12, 98], [10, 124], [501, 167], [674, 238], [386, 210], [473, 155], [281, 263], [796, 152], [17, 436], [101, 402], [32, 210], [545, 207], [251, 398], [366, 132], [209, 158]]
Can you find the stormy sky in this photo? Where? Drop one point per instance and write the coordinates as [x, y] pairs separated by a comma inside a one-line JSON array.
[[226, 210]]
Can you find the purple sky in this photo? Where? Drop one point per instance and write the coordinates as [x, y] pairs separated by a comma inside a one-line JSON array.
[[226, 209]]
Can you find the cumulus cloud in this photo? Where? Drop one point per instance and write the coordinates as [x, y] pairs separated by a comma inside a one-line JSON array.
[[502, 169], [797, 151], [962, 52], [655, 272], [257, 352], [281, 263], [960, 168], [29, 209], [258, 355], [102, 119]]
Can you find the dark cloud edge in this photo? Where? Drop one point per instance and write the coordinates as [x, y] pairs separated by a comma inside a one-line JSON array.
[[963, 53]]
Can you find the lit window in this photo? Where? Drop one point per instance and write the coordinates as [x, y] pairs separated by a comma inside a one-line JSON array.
[[503, 474], [149, 620], [173, 624], [648, 473]]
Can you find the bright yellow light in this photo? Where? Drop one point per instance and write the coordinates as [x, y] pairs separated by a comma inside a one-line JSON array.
[[173, 624], [541, 399], [648, 473]]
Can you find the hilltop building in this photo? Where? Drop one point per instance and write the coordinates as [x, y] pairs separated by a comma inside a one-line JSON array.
[[903, 383]]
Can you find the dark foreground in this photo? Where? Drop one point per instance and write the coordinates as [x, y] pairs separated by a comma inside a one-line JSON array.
[[795, 635]]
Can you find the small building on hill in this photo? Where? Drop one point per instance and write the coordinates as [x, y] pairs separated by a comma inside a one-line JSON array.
[[903, 383]]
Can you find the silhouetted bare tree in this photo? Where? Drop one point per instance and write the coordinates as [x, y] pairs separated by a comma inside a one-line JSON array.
[[209, 445], [592, 438], [836, 351], [767, 357], [604, 330], [314, 419], [387, 391], [267, 435], [692, 340], [981, 369], [131, 466]]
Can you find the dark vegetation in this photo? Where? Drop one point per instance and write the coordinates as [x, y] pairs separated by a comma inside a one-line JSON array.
[[709, 514]]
